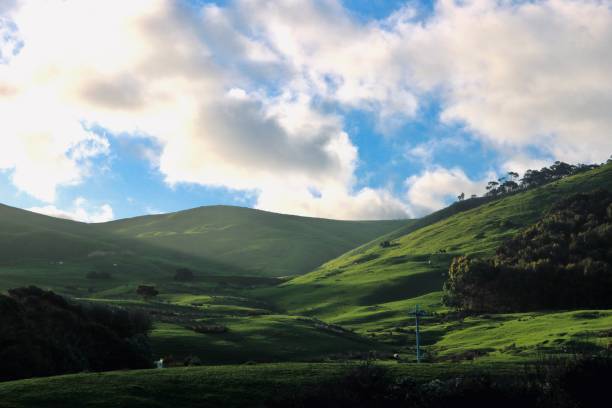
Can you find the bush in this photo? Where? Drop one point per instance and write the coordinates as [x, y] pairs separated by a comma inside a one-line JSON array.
[[564, 261], [208, 328], [561, 384], [183, 275], [42, 334], [146, 291], [98, 275]]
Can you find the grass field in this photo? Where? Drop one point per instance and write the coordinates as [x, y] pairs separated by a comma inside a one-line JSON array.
[[213, 386]]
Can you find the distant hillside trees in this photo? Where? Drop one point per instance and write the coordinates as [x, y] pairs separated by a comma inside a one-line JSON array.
[[42, 334], [103, 275], [564, 261], [146, 291], [511, 183], [183, 275]]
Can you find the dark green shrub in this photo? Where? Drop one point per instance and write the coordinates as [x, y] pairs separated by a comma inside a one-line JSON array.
[[42, 334]]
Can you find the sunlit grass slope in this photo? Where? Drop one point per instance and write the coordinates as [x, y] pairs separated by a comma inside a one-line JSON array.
[[524, 335], [375, 286], [252, 241]]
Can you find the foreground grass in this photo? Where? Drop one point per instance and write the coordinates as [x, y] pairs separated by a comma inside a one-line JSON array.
[[212, 386]]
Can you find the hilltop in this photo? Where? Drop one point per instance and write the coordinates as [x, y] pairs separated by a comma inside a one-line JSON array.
[[258, 243], [213, 241]]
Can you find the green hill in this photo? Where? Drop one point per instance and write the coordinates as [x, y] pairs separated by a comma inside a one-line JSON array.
[[254, 242], [371, 289], [356, 302], [53, 252]]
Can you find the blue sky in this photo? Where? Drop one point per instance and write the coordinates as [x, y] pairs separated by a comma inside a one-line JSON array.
[[347, 109]]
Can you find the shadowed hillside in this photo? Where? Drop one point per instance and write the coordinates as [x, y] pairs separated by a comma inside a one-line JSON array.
[[58, 253], [256, 242]]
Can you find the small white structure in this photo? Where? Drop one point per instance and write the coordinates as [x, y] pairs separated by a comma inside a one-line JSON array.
[[159, 363]]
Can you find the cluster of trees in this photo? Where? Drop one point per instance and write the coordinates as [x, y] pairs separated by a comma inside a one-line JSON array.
[[98, 275], [580, 382], [184, 275], [42, 334], [147, 291], [511, 183], [563, 261]]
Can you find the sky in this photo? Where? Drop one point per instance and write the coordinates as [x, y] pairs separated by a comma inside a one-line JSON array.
[[352, 109]]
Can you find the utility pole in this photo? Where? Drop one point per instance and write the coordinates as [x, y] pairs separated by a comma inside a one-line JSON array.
[[417, 314]]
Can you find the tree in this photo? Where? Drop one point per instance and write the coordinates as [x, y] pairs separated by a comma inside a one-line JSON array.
[[183, 275], [98, 275], [461, 197], [561, 262], [43, 334], [492, 188], [146, 291]]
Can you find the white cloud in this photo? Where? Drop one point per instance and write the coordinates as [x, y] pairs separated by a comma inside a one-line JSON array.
[[425, 152], [522, 73], [80, 211], [365, 204], [435, 188], [148, 68], [520, 163], [236, 96]]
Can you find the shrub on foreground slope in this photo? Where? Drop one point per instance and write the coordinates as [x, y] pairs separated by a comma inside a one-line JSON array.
[[564, 261], [580, 382], [41, 333]]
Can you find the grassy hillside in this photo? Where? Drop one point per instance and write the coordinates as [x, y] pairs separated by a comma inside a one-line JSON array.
[[369, 290], [229, 249], [255, 242], [28, 236], [372, 289], [215, 386], [57, 253]]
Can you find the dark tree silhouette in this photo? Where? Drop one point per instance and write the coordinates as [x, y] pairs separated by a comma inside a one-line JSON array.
[[146, 291], [183, 275], [42, 333], [563, 261]]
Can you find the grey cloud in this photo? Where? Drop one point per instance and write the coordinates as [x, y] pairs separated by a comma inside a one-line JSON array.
[[243, 135], [118, 92]]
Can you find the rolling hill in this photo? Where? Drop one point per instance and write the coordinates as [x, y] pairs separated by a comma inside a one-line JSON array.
[[57, 253], [255, 242], [356, 302], [371, 289]]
